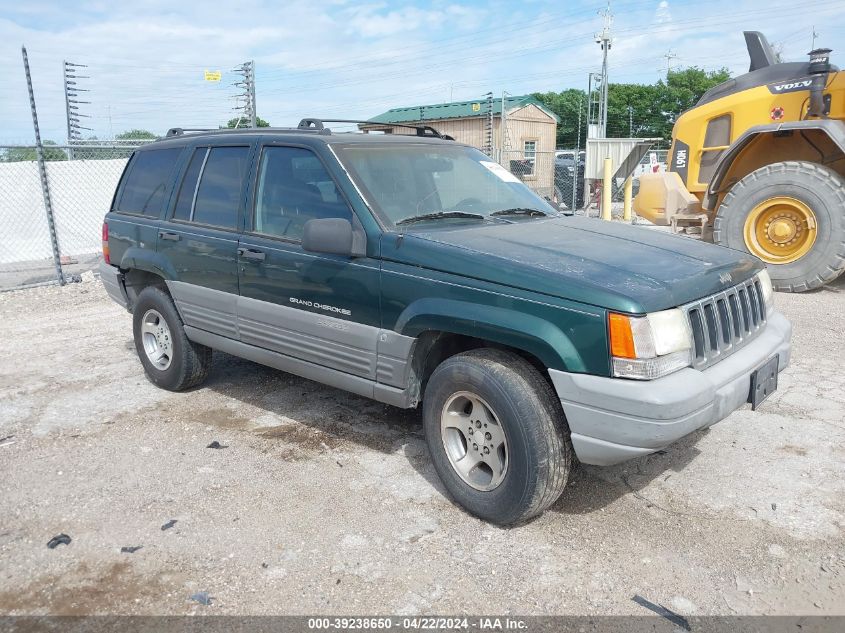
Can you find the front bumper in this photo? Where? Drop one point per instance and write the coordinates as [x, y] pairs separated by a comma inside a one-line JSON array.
[[112, 280], [613, 419]]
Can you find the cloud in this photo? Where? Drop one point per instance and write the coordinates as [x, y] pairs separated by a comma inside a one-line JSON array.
[[663, 14], [351, 60]]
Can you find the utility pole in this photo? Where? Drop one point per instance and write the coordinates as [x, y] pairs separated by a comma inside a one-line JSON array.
[[605, 41], [247, 84], [630, 122], [577, 160], [488, 133], [669, 56], [42, 171], [503, 130], [815, 35], [72, 103]]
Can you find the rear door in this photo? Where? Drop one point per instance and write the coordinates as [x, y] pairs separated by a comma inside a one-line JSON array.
[[319, 308], [199, 238], [142, 194]]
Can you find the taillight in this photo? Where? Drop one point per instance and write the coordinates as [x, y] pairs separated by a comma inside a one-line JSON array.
[[106, 256]]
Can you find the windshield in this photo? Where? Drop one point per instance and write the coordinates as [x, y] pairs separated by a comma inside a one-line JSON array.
[[414, 184]]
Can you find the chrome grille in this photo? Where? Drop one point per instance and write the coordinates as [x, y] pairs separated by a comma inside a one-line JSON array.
[[724, 322]]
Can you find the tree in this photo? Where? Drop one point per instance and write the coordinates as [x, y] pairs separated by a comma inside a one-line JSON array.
[[243, 122], [636, 110], [136, 134], [18, 154], [566, 105], [683, 88]]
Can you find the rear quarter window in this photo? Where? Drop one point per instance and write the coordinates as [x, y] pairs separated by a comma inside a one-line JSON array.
[[147, 182]]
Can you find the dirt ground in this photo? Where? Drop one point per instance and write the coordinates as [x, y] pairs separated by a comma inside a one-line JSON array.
[[324, 502]]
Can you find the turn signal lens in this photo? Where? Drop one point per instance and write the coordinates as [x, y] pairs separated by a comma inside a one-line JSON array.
[[621, 336], [649, 346]]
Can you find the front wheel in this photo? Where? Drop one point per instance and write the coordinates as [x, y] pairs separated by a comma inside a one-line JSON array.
[[497, 435], [792, 216]]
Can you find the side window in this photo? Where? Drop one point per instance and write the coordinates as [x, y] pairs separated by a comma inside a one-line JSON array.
[[219, 192], [185, 199], [294, 187], [148, 181]]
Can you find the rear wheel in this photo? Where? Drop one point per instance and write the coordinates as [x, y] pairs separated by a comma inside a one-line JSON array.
[[170, 359], [792, 216], [497, 435]]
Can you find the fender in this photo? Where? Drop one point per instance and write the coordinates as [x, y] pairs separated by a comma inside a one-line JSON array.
[[519, 330], [833, 128], [150, 261]]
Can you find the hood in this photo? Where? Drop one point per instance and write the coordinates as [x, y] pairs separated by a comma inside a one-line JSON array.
[[607, 264]]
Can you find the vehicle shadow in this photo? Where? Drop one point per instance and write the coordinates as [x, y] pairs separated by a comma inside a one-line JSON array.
[[329, 419], [592, 488]]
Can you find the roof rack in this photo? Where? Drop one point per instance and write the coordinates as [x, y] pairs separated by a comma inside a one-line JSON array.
[[179, 131], [319, 124]]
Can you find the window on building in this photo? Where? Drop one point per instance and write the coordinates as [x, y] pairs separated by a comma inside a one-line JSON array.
[[529, 154], [148, 181]]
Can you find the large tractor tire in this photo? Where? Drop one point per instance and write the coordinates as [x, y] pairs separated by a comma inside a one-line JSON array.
[[792, 216]]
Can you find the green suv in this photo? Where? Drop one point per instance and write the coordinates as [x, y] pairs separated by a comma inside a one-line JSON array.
[[414, 270]]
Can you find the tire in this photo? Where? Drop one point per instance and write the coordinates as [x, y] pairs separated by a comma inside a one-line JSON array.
[[157, 329], [536, 436], [821, 190]]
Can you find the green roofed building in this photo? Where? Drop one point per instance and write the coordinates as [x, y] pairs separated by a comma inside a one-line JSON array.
[[529, 130], [530, 127]]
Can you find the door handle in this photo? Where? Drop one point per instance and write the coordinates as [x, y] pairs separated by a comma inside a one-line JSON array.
[[173, 237], [251, 253]]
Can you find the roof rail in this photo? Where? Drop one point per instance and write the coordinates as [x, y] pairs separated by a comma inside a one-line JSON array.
[[179, 131], [319, 124]]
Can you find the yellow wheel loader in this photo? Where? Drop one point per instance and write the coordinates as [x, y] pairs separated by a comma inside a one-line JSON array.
[[759, 165]]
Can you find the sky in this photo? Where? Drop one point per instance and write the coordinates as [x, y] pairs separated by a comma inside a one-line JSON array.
[[337, 58]]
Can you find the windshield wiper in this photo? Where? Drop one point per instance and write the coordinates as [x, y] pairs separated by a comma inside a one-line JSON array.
[[532, 213], [438, 215]]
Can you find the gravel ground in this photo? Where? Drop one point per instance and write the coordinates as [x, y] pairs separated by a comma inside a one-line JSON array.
[[323, 502]]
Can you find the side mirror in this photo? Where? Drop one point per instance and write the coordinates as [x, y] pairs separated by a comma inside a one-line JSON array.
[[333, 236]]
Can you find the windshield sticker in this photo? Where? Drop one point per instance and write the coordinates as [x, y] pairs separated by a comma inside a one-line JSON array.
[[500, 171]]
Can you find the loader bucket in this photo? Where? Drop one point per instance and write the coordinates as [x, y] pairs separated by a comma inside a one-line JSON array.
[[663, 195]]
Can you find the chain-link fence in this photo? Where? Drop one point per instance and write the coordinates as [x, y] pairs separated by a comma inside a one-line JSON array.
[[81, 179], [559, 175]]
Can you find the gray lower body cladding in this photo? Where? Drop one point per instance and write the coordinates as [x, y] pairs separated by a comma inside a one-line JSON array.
[[112, 280], [613, 420], [359, 358]]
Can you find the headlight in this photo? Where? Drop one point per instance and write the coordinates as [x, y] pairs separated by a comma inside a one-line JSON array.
[[768, 291], [651, 346]]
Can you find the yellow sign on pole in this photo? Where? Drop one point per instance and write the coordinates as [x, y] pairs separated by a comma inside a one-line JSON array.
[[213, 75]]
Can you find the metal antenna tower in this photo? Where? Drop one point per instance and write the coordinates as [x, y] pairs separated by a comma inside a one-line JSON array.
[[605, 41], [247, 84], [488, 126], [72, 102]]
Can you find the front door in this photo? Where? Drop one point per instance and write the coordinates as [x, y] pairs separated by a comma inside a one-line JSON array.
[[199, 239], [323, 309]]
